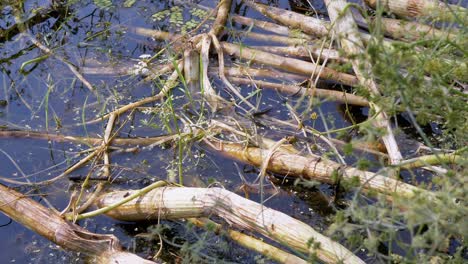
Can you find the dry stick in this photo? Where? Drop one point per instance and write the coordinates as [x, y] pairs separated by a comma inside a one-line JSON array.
[[311, 25], [105, 143], [176, 203], [371, 148], [267, 26], [48, 223], [250, 242], [288, 64], [221, 72], [261, 141], [421, 8], [347, 32], [170, 83], [338, 96]]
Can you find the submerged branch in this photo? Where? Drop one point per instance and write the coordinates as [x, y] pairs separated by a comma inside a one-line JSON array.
[[250, 242], [288, 64], [337, 96]]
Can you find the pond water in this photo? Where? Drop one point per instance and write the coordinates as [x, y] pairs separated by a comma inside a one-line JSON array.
[[40, 93]]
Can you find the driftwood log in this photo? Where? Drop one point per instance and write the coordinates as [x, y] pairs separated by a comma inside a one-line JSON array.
[[177, 203], [316, 168], [49, 224]]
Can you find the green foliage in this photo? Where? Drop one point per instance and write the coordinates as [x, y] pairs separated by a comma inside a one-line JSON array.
[[103, 4], [421, 82], [129, 3], [426, 87], [178, 21]]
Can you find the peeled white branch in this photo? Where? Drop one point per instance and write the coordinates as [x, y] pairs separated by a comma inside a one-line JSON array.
[[304, 51], [271, 27], [307, 24], [315, 168], [176, 203], [289, 64], [413, 31], [350, 39]]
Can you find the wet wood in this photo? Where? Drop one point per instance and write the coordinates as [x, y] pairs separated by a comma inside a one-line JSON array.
[[337, 96], [49, 224], [289, 64]]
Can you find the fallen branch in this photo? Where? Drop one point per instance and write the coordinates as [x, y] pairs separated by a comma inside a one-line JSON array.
[[435, 159], [274, 38], [304, 51], [350, 39], [271, 27], [413, 31], [316, 168], [307, 24], [224, 7], [250, 72], [288, 64], [422, 9], [337, 96], [176, 203], [48, 223]]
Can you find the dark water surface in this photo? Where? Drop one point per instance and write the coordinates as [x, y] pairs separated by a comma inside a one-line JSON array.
[[46, 96]]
